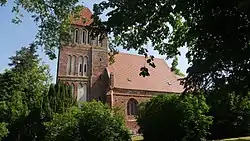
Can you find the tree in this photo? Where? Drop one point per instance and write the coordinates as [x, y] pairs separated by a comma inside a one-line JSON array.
[[52, 17], [230, 112], [93, 121], [58, 100], [172, 117], [25, 102], [22, 88], [215, 32], [174, 67]]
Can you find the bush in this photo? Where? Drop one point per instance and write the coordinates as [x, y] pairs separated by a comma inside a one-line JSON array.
[[172, 117], [92, 122], [231, 114]]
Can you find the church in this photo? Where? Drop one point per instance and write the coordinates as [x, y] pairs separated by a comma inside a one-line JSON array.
[[85, 66]]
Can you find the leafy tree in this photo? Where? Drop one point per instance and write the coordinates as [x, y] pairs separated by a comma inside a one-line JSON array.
[[230, 113], [58, 99], [173, 117], [52, 17], [25, 102], [93, 121], [174, 67], [22, 88], [215, 32]]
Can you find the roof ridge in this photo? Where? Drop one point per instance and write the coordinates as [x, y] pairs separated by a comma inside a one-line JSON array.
[[140, 55]]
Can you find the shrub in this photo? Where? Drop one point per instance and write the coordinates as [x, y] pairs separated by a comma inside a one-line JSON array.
[[92, 122], [172, 117]]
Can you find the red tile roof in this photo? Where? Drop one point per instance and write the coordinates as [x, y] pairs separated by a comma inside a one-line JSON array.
[[84, 13], [126, 71]]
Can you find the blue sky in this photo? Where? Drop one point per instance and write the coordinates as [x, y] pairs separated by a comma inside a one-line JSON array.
[[13, 37]]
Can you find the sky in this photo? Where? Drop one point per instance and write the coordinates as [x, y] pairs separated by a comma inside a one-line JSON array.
[[13, 37]]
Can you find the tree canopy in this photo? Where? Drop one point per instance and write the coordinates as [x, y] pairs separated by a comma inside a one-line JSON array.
[[173, 117], [215, 32], [26, 100], [52, 17]]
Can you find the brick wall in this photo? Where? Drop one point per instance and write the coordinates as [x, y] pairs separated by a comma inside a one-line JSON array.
[[97, 62], [120, 99], [99, 80]]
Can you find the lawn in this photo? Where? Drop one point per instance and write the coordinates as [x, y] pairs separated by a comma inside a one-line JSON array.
[[137, 138], [140, 138], [238, 139]]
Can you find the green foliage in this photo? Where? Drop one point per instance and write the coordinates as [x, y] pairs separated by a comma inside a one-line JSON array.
[[215, 32], [25, 102], [58, 99], [231, 115], [172, 117], [93, 121], [52, 18], [174, 67], [3, 130]]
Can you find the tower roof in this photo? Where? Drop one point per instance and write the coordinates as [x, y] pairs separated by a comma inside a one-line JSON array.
[[85, 17], [126, 71]]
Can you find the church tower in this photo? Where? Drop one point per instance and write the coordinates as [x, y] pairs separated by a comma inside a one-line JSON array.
[[82, 63]]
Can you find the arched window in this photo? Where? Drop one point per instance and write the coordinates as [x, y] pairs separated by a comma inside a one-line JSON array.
[[132, 107], [102, 42], [73, 89], [80, 66], [76, 36], [89, 38], [84, 37], [69, 65], [67, 86], [85, 66], [73, 65], [97, 40], [100, 39], [82, 92], [72, 34]]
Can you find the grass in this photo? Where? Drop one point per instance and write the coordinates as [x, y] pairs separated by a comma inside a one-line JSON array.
[[137, 138], [140, 138], [238, 139]]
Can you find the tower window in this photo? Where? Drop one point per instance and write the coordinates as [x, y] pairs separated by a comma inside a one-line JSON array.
[[85, 68], [85, 65], [73, 65], [80, 71], [80, 68], [83, 37], [69, 65], [82, 92], [97, 40], [89, 38], [76, 36], [73, 89]]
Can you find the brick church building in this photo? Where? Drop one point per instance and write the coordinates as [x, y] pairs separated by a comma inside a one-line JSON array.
[[85, 66]]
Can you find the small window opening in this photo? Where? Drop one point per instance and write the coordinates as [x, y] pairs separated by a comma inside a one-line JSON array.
[[76, 36], [83, 37], [85, 68], [100, 59], [80, 68]]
